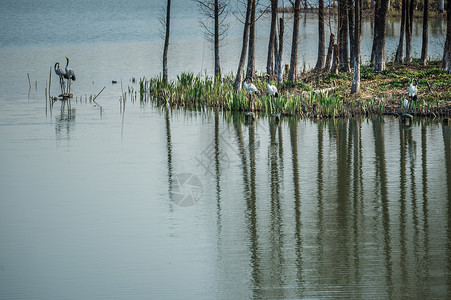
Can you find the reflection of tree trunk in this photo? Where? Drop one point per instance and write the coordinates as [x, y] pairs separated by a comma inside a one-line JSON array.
[[250, 195], [280, 152], [297, 195], [381, 177], [403, 206], [357, 172], [425, 193], [218, 175], [357, 142], [447, 161], [343, 174], [276, 230], [169, 151], [252, 208], [447, 144]]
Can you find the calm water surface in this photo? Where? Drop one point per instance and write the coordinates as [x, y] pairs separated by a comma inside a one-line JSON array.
[[102, 203]]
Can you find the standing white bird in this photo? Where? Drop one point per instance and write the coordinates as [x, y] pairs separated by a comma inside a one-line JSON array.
[[70, 74], [272, 90], [413, 90], [61, 74], [250, 88]]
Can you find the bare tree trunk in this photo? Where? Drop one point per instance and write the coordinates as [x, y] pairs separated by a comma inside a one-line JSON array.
[[294, 45], [355, 88], [239, 73], [251, 55], [279, 55], [409, 26], [166, 43], [217, 61], [321, 38], [441, 6], [343, 35], [214, 11], [376, 8], [424, 47], [329, 52], [335, 59], [399, 57], [272, 38], [446, 64], [379, 38], [351, 22]]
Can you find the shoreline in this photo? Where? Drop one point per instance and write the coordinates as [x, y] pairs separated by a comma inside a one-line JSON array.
[[315, 95]]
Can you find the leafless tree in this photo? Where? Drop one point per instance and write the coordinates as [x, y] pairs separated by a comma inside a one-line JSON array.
[[215, 13], [166, 42], [343, 35], [446, 64], [424, 46], [409, 27], [321, 37], [351, 21], [355, 88], [379, 35], [251, 55], [399, 57], [239, 73], [294, 45], [280, 52], [272, 38]]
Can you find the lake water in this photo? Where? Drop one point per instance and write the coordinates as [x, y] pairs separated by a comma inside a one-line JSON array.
[[102, 202]]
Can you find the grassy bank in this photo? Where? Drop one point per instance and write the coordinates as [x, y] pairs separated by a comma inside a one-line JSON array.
[[315, 95]]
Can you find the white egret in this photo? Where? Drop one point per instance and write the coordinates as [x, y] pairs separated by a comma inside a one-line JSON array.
[[272, 90], [250, 88], [274, 93], [413, 90]]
